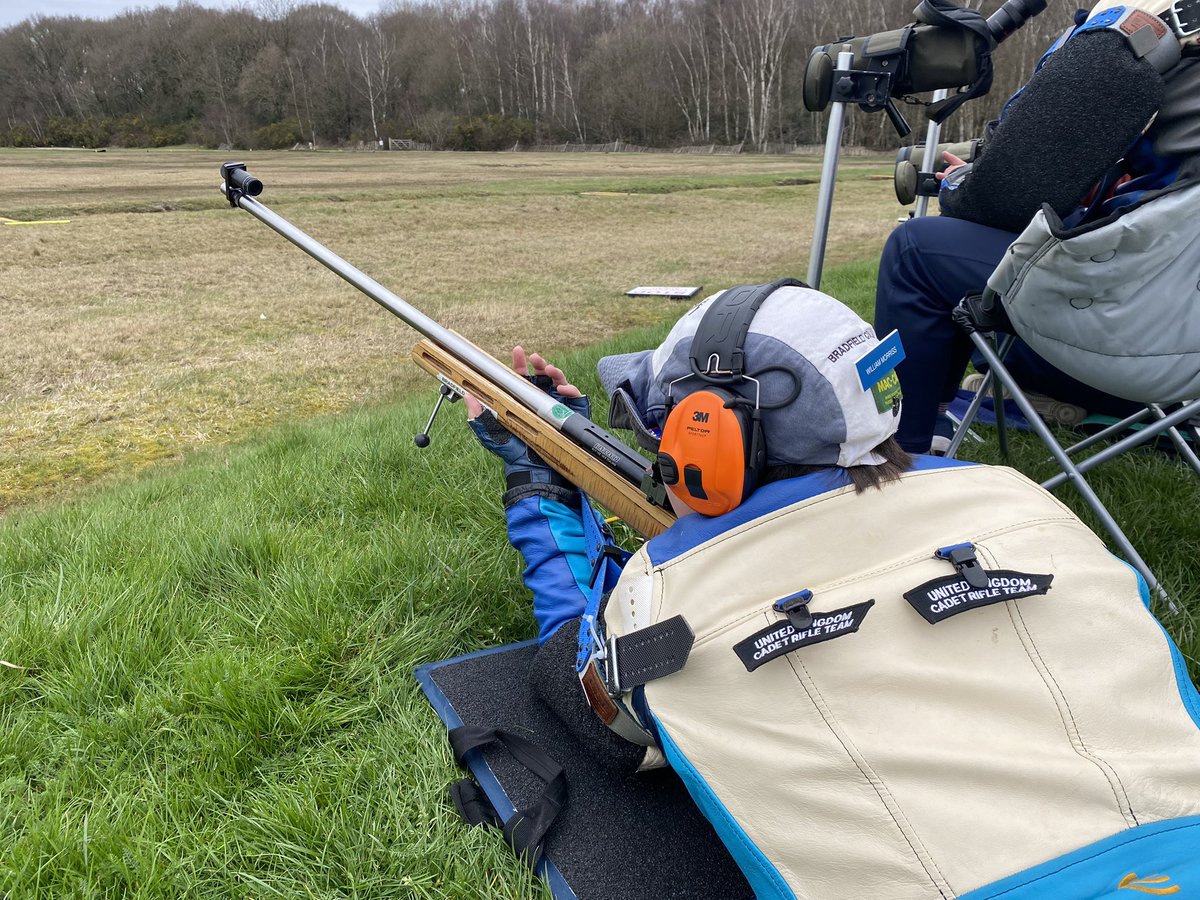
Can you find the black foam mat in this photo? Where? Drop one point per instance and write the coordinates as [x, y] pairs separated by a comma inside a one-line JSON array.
[[620, 837]]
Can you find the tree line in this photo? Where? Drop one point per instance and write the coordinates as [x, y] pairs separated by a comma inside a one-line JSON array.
[[462, 74]]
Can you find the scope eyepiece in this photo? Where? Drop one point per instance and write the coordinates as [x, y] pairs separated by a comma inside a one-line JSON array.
[[911, 182], [1012, 16]]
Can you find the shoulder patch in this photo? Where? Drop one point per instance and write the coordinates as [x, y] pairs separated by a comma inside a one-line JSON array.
[[953, 594], [782, 637]]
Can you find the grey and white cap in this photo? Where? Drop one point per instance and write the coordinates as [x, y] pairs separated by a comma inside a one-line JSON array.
[[810, 337]]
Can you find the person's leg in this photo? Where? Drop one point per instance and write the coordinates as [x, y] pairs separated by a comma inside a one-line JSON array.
[[927, 266], [1034, 373]]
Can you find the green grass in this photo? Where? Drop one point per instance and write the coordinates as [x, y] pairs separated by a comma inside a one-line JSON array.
[[217, 699]]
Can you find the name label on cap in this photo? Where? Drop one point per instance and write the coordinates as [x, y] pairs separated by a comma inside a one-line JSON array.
[[874, 365]]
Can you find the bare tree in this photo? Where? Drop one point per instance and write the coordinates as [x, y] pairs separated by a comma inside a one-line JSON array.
[[373, 53], [649, 71], [690, 65], [756, 32]]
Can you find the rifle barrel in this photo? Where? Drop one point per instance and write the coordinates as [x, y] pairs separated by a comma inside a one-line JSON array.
[[615, 453]]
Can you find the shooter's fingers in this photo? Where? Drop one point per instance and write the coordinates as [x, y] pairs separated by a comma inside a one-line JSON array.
[[564, 387], [952, 163], [519, 364], [556, 376], [543, 368], [474, 407]]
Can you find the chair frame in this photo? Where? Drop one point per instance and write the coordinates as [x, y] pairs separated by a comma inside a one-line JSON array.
[[985, 323]]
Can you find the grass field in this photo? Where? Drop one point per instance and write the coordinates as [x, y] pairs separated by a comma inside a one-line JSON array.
[[207, 688]]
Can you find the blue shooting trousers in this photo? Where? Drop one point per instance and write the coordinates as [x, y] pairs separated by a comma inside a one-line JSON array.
[[928, 265]]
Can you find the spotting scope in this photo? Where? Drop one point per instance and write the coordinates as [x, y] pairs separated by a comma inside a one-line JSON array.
[[947, 47]]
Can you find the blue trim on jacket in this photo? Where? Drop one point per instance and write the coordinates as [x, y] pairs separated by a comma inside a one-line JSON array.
[[764, 878], [1183, 679], [1152, 859], [1168, 849], [692, 531]]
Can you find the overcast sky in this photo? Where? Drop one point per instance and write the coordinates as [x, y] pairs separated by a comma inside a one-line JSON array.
[[13, 11]]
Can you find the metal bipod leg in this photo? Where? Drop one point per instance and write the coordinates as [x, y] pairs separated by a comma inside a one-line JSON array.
[[829, 167]]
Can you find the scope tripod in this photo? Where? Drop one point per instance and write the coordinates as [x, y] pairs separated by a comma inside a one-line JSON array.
[[868, 90]]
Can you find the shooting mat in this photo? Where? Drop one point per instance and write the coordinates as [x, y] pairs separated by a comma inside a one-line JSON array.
[[620, 837]]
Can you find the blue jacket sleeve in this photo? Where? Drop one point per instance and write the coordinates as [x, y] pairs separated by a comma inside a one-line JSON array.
[[545, 523]]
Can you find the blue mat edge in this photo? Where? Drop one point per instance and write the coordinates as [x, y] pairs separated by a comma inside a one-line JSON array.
[[479, 768]]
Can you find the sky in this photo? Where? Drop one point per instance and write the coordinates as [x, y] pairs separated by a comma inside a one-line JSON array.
[[13, 11]]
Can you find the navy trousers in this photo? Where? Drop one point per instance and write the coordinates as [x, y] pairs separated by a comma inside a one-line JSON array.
[[928, 265]]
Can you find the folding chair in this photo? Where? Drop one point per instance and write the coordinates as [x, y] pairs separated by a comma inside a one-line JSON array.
[[1112, 302], [983, 318]]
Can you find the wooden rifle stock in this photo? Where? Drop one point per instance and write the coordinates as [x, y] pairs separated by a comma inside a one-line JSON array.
[[609, 489]]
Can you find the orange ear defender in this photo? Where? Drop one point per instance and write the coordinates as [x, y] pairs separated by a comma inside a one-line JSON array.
[[712, 454]]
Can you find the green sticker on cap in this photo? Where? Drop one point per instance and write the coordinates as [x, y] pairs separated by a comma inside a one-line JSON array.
[[560, 412], [886, 392]]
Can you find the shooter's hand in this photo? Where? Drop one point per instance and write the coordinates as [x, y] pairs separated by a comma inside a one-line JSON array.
[[952, 163], [496, 439]]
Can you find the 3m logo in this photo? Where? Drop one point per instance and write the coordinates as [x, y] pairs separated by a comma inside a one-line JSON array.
[[1155, 884], [698, 416]]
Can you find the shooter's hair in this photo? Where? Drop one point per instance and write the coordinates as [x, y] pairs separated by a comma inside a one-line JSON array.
[[896, 461]]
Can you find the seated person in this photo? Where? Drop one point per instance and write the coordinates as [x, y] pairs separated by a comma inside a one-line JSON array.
[[1055, 143], [877, 675]]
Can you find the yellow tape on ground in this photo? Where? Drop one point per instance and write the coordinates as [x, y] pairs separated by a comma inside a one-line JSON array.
[[38, 222]]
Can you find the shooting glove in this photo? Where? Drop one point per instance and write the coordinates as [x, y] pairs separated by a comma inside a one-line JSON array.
[[522, 465]]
